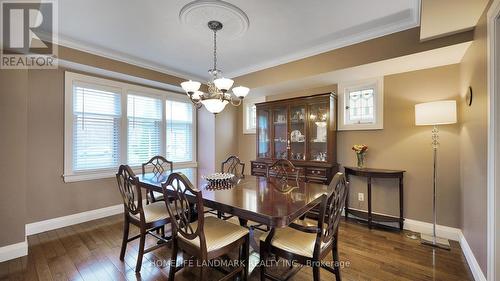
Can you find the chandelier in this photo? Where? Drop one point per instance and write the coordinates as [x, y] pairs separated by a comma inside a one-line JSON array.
[[218, 95]]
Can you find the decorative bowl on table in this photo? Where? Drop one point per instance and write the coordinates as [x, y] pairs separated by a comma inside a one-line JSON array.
[[220, 180]]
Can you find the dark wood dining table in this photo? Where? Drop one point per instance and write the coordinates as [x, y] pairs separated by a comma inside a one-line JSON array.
[[272, 203]]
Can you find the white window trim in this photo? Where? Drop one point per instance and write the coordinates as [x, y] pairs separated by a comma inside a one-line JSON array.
[[71, 77], [248, 102], [379, 104]]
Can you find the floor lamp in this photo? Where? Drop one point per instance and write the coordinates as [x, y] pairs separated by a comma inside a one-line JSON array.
[[434, 114]]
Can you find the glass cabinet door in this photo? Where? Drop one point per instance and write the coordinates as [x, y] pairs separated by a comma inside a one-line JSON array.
[[280, 132], [263, 127], [298, 132], [318, 132]]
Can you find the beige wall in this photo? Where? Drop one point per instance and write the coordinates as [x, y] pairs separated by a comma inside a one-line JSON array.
[[401, 145], [13, 153], [395, 45], [473, 145]]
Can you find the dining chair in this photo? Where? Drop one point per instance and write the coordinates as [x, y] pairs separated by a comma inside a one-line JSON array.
[[283, 169], [146, 217], [206, 238], [309, 244], [159, 165], [234, 166]]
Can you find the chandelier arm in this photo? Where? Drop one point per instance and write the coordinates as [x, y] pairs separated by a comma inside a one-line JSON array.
[[238, 103]]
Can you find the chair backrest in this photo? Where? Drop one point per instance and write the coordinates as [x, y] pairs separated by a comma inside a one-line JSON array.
[[159, 165], [284, 170], [234, 166], [128, 184], [331, 209], [181, 196]]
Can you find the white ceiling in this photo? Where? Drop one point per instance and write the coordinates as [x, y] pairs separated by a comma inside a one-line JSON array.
[[433, 58], [150, 34]]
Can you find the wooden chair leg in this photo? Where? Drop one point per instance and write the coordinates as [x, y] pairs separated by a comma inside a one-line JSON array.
[[262, 264], [316, 269], [246, 257], [173, 261], [336, 260], [125, 238], [142, 241], [203, 272]]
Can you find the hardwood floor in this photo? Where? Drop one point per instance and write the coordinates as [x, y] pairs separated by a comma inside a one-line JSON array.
[[89, 251]]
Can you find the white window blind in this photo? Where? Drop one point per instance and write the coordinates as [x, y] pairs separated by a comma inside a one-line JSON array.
[[144, 118], [179, 117], [96, 127]]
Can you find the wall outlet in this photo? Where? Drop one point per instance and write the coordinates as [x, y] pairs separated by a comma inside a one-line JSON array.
[[361, 197]]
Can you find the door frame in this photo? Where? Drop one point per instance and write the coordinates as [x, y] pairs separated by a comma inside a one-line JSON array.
[[493, 196]]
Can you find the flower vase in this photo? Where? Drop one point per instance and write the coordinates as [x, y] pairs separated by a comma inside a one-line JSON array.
[[361, 159]]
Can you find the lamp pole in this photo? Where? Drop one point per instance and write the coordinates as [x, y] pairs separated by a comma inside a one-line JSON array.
[[434, 240]]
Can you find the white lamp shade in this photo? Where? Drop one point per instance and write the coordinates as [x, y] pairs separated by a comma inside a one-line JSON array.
[[241, 91], [190, 86], [436, 113], [223, 84], [214, 105]]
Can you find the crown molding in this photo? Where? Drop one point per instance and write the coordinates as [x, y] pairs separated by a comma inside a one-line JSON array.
[[117, 56], [386, 26]]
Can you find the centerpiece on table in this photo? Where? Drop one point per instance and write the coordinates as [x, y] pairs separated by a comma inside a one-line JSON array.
[[360, 150]]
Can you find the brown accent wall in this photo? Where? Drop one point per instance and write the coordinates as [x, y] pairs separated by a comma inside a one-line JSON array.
[[226, 134], [48, 196], [13, 154], [473, 145], [402, 145]]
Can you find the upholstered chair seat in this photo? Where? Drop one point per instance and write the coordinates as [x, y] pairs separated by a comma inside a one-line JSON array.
[[218, 233], [293, 241]]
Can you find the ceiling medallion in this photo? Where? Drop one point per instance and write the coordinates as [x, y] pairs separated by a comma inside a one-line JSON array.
[[218, 95], [196, 14]]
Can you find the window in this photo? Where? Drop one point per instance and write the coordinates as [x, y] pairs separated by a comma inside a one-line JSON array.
[[179, 117], [96, 127], [144, 128], [361, 105], [108, 123], [250, 114]]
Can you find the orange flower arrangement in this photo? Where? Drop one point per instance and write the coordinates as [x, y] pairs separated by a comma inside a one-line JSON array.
[[360, 148]]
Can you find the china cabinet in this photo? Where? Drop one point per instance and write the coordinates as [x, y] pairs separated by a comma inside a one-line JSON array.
[[302, 130]]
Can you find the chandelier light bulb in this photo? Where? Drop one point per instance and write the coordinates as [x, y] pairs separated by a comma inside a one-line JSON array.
[[190, 86], [241, 91], [223, 84]]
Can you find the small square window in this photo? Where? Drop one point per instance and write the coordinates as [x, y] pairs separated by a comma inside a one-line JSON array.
[[250, 115], [361, 105]]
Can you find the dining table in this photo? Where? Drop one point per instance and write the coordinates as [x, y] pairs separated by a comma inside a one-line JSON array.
[[269, 202]]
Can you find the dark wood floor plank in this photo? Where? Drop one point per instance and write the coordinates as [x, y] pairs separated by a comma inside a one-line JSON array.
[[90, 251]]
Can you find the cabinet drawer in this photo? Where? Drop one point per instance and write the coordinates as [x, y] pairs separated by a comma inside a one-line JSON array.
[[316, 172], [259, 166]]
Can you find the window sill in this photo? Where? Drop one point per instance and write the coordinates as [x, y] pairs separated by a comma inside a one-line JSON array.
[[361, 127], [105, 174]]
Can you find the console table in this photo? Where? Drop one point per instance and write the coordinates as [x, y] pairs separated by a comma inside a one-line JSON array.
[[370, 173]]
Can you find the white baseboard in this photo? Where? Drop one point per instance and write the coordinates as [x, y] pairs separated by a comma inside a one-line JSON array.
[[51, 224], [13, 251], [471, 259], [447, 232]]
